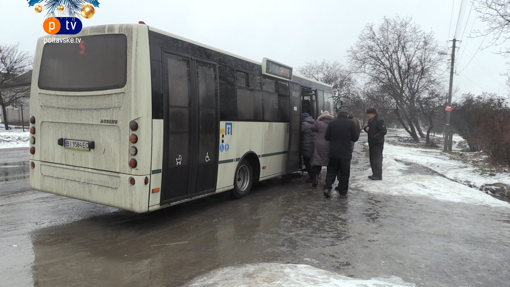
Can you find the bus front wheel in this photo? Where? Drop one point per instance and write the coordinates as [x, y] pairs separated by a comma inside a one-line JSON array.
[[243, 180]]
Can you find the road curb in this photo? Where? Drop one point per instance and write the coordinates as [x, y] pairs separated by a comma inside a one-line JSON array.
[[14, 149]]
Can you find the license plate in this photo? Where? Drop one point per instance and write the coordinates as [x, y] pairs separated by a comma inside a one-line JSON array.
[[78, 145]]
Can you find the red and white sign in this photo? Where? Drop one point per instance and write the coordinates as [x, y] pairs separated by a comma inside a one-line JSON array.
[[448, 108]]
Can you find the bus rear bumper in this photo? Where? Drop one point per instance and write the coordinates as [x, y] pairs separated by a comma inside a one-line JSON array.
[[108, 188]]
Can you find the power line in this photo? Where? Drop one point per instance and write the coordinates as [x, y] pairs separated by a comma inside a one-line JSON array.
[[488, 73], [467, 78], [467, 21], [460, 19], [451, 18], [474, 54], [464, 31]]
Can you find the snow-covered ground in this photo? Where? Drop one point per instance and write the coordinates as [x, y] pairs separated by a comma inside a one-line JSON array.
[[450, 179], [273, 274], [13, 138]]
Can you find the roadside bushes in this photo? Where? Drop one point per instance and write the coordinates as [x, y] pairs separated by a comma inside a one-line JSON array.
[[484, 122]]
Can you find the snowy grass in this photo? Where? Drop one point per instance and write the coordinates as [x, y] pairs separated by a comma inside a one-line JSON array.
[[450, 178], [14, 138]]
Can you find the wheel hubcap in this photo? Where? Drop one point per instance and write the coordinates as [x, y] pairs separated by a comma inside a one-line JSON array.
[[243, 177]]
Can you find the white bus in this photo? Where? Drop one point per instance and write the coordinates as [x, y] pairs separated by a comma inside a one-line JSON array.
[[137, 118]]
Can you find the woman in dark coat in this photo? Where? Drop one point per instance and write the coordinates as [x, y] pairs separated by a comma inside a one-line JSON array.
[[320, 156], [307, 143]]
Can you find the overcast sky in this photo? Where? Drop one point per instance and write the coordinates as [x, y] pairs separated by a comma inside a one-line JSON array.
[[292, 32]]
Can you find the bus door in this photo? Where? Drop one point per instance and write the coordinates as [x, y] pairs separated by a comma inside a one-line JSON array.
[[308, 102], [293, 162], [190, 157]]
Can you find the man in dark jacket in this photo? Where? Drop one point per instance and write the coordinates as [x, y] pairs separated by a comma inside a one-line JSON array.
[[340, 133], [376, 131], [358, 129]]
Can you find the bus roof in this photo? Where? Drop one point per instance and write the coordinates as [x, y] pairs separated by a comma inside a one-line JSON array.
[[224, 52]]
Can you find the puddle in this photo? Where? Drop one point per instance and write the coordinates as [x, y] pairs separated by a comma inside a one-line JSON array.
[[14, 171]]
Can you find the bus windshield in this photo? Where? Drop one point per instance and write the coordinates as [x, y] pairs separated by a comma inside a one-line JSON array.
[[92, 63]]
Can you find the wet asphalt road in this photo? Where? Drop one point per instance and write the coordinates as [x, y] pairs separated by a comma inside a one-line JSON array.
[[14, 171], [47, 240]]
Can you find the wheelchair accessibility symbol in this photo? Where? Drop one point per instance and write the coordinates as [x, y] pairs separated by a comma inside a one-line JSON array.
[[222, 147]]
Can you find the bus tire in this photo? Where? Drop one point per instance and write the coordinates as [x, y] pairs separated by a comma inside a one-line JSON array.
[[243, 180]]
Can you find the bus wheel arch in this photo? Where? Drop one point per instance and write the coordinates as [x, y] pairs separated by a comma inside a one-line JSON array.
[[246, 174]]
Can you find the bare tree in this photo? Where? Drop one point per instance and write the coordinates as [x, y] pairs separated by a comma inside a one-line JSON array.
[[496, 15], [382, 102], [402, 61], [431, 106], [333, 73], [13, 63]]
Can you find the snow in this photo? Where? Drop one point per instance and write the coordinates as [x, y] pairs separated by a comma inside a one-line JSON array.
[[449, 178], [13, 138], [295, 275]]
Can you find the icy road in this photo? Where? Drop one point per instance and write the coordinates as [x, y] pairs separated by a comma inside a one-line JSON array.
[[414, 228]]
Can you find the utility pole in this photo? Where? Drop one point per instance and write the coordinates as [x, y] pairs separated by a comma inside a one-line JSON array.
[[447, 128], [22, 121]]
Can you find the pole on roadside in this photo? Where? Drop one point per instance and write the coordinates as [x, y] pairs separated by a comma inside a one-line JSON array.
[[447, 128], [22, 121]]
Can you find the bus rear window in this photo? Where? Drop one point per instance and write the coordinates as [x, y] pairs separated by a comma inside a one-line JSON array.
[[97, 62]]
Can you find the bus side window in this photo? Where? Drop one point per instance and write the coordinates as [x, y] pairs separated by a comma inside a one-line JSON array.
[[269, 85], [283, 101], [271, 109], [255, 82], [249, 104], [241, 79], [283, 108]]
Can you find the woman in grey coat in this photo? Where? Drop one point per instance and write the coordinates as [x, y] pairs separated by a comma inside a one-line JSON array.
[[320, 156], [307, 143]]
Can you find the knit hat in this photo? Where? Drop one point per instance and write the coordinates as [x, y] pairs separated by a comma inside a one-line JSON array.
[[325, 113], [344, 110], [305, 115]]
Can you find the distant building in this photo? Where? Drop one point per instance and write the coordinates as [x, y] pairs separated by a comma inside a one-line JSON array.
[[18, 113]]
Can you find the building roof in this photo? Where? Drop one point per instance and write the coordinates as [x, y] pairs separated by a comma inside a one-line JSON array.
[[22, 80]]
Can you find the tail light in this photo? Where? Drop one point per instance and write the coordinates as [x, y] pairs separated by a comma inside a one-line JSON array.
[[132, 163], [132, 181], [133, 150], [133, 138], [32, 130], [146, 180], [133, 125], [32, 140], [32, 120], [32, 164], [32, 150]]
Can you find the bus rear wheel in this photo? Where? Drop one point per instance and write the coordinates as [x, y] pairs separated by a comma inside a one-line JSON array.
[[243, 180]]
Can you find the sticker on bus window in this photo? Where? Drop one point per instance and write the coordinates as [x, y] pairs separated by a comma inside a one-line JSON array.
[[222, 131]]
